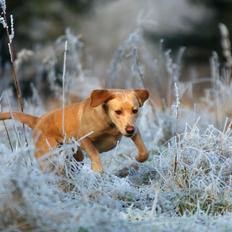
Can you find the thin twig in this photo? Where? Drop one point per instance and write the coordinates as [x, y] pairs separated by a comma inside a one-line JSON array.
[[226, 47], [63, 81], [10, 37], [177, 117], [7, 132], [14, 75], [8, 136], [14, 124]]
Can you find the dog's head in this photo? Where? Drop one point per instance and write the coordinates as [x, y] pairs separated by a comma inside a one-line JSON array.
[[122, 106]]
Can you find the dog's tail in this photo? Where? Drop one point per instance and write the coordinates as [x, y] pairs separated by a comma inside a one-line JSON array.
[[27, 119]]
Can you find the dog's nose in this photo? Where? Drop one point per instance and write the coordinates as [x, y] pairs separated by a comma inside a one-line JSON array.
[[130, 130]]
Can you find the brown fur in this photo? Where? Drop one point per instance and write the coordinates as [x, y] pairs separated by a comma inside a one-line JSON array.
[[98, 113]]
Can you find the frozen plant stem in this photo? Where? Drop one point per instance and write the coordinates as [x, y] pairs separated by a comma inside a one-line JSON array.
[[10, 36], [226, 47], [7, 133], [3, 5], [8, 136], [177, 116], [14, 124], [63, 82], [155, 201], [177, 101], [215, 72]]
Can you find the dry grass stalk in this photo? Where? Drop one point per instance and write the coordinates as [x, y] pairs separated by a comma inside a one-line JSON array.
[[7, 133], [10, 36], [177, 117], [226, 47], [14, 74], [8, 136]]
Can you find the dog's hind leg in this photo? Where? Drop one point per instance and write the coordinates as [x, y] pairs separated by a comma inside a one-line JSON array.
[[78, 156], [44, 145]]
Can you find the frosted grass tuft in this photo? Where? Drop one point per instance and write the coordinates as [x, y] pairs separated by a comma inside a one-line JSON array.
[[147, 198], [3, 5]]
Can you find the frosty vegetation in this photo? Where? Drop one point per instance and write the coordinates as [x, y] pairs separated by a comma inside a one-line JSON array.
[[184, 186]]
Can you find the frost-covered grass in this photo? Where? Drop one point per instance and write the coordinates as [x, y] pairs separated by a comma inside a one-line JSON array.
[[186, 183], [129, 196]]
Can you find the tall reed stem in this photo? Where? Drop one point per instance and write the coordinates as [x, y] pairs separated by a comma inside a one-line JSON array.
[[8, 136], [14, 74], [63, 81], [10, 37]]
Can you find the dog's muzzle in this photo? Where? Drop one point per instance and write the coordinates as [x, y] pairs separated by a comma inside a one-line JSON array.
[[130, 130]]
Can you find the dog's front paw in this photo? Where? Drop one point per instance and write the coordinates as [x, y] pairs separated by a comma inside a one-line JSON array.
[[141, 157], [96, 167]]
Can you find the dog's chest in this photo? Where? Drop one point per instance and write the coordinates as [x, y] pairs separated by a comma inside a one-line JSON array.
[[106, 140]]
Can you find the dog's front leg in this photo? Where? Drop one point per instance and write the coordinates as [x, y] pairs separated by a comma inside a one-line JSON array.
[[93, 153], [142, 150]]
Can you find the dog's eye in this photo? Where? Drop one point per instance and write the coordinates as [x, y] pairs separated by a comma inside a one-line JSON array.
[[118, 112], [134, 111]]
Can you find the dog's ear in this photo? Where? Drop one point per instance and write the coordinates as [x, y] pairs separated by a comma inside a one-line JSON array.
[[142, 95], [100, 96]]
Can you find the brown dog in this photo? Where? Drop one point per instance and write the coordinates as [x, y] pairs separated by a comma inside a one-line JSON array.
[[108, 113]]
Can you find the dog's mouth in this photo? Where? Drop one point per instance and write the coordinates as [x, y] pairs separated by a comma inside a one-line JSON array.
[[129, 135]]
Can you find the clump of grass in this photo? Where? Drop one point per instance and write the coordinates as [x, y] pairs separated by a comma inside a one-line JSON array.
[[200, 181]]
